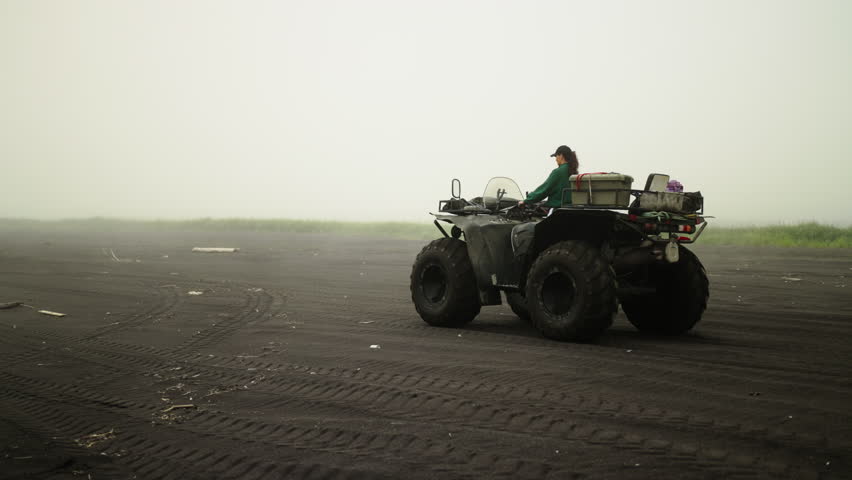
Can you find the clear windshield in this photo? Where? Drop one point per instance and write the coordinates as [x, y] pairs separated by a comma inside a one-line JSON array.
[[503, 188]]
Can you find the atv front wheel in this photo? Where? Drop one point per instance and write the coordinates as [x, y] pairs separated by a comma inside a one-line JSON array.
[[680, 299], [571, 292], [443, 286]]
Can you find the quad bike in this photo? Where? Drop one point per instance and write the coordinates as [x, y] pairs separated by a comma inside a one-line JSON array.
[[566, 270]]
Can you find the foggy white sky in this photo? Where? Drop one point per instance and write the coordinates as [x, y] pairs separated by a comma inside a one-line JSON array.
[[365, 110]]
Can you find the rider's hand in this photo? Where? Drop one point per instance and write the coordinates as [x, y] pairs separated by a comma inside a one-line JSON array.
[[521, 204]]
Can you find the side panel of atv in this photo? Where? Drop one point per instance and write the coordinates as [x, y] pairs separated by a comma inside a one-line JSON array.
[[500, 265], [490, 250]]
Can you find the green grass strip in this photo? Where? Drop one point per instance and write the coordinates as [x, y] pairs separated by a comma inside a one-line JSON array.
[[811, 234], [405, 230]]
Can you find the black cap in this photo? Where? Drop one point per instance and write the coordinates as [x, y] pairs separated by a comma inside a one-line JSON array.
[[562, 150]]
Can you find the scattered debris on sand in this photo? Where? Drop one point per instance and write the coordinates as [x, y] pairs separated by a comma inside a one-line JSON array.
[[194, 292], [89, 441], [175, 407], [218, 390], [108, 252], [215, 249], [172, 414], [10, 305]]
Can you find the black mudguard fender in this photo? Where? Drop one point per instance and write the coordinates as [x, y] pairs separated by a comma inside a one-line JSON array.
[[593, 226]]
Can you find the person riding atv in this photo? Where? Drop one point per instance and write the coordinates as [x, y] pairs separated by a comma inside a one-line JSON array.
[[557, 181], [567, 270]]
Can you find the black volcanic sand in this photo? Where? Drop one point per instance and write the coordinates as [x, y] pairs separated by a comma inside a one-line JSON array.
[[271, 371]]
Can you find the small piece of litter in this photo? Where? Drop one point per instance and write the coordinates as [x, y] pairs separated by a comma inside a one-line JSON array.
[[367, 322], [175, 407], [215, 249], [375, 347], [194, 292], [629, 351], [93, 439], [52, 314], [791, 279]]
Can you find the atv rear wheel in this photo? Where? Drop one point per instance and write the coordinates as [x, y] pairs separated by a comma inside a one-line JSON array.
[[518, 304], [680, 299], [443, 286], [571, 292]]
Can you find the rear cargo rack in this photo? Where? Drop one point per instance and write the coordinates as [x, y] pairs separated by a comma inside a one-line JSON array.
[[631, 207]]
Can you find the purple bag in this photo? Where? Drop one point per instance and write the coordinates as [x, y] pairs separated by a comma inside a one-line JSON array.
[[674, 186]]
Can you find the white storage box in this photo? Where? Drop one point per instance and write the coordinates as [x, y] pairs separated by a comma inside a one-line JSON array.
[[601, 189]]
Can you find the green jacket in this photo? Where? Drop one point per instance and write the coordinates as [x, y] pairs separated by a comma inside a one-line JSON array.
[[552, 188]]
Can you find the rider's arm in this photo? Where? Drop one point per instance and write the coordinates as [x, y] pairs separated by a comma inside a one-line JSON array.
[[544, 189]]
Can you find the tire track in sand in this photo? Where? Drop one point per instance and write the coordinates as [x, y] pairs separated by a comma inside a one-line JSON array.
[[604, 421], [98, 412]]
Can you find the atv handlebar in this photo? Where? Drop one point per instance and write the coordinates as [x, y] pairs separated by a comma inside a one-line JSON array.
[[523, 210]]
